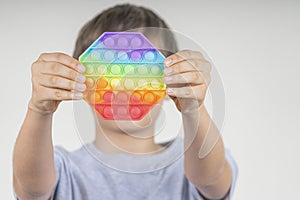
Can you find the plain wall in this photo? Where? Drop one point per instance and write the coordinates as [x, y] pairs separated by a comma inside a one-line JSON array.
[[254, 45]]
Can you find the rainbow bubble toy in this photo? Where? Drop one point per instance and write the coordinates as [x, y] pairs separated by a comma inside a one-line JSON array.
[[124, 75]]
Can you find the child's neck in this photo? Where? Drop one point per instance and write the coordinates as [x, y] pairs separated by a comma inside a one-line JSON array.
[[112, 141]]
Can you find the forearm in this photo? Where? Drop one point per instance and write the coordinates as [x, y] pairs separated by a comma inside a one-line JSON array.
[[205, 162], [33, 162]]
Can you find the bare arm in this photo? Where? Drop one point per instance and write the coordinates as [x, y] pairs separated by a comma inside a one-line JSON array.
[[34, 172], [55, 77], [207, 169], [187, 76]]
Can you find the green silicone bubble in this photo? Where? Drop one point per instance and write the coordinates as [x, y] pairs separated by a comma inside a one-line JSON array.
[[156, 70], [143, 69], [115, 69], [89, 69], [129, 69], [101, 68]]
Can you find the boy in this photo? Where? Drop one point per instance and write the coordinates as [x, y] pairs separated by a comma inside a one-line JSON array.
[[44, 172]]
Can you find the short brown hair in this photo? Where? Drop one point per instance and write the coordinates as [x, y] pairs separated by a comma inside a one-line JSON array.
[[122, 18]]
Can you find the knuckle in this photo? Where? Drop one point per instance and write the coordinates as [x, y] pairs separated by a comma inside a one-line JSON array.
[[194, 63], [208, 80], [178, 56], [53, 80], [198, 54], [58, 94], [34, 65], [186, 53], [207, 65], [186, 91], [42, 55], [73, 74], [194, 77], [180, 68], [59, 56], [73, 62], [179, 78], [202, 92], [71, 84], [38, 89], [54, 67], [34, 80]]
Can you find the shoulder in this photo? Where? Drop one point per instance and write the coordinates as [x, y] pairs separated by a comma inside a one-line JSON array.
[[76, 158]]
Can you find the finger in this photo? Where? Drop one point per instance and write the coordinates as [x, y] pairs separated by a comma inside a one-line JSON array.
[[58, 94], [58, 69], [182, 55], [188, 66], [185, 78], [61, 83], [195, 92], [63, 59]]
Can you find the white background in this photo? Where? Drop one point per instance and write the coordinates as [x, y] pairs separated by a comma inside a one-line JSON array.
[[254, 44]]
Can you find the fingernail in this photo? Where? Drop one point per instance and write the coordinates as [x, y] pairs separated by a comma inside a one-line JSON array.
[[168, 61], [80, 78], [170, 91], [80, 87], [81, 68], [168, 79], [78, 96], [168, 71]]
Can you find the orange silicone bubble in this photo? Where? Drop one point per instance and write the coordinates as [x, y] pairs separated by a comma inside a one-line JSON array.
[[149, 97], [102, 83], [95, 98], [89, 82]]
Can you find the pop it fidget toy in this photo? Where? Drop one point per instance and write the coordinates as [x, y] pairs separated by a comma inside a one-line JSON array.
[[124, 75]]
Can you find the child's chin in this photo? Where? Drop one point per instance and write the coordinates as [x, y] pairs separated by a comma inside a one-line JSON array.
[[126, 126]]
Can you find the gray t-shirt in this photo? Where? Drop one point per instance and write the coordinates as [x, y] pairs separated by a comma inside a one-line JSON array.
[[90, 174]]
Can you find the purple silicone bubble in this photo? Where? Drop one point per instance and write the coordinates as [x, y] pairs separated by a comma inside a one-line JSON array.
[[109, 42], [136, 55], [123, 42], [136, 42]]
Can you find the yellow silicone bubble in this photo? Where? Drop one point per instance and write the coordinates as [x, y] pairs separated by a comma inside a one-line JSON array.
[[142, 83], [156, 84], [129, 84], [116, 83]]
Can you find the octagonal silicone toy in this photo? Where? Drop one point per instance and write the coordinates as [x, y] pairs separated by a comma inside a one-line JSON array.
[[124, 75]]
